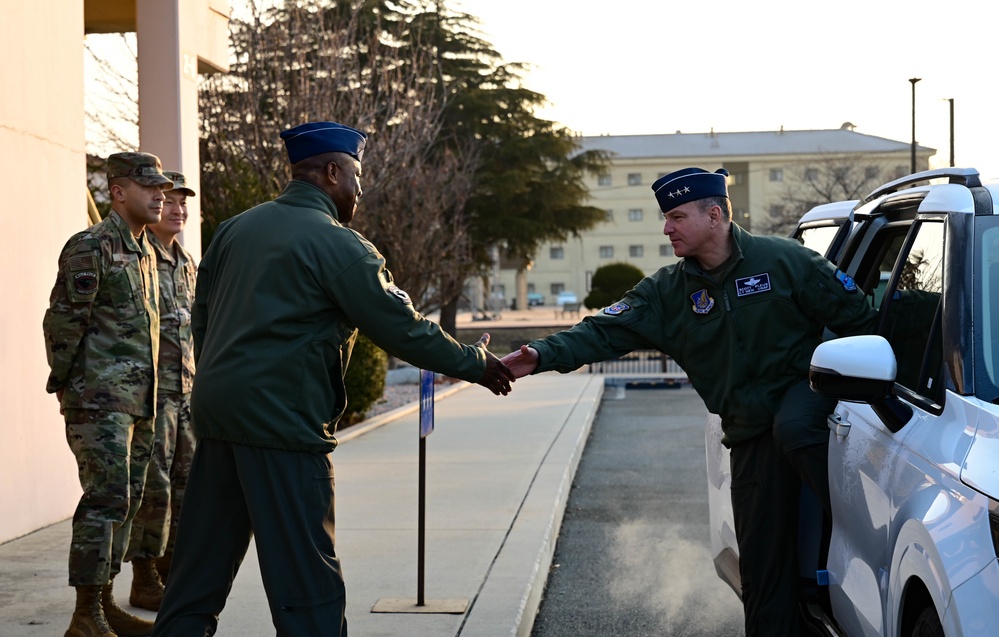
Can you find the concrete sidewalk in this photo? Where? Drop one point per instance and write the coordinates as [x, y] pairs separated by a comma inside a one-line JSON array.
[[499, 470]]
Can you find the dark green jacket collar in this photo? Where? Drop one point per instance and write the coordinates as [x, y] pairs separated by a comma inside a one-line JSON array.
[[302, 194], [739, 239]]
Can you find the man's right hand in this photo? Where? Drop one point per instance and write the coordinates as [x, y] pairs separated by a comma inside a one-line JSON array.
[[497, 377], [522, 362]]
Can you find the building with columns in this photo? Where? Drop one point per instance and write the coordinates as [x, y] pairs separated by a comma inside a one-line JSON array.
[[773, 176], [43, 170]]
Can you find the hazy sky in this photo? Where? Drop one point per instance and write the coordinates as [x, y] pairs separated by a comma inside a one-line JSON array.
[[659, 66]]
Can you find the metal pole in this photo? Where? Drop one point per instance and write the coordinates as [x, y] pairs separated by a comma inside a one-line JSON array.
[[951, 100], [422, 524], [913, 154]]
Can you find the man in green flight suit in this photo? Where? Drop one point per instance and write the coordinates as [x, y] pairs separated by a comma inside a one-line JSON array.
[[281, 292], [154, 530], [102, 340], [741, 314]]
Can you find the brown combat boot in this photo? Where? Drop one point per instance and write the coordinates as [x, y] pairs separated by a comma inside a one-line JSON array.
[[122, 622], [147, 590], [163, 566], [88, 618]]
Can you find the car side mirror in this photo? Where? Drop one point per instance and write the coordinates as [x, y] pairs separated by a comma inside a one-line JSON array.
[[860, 369]]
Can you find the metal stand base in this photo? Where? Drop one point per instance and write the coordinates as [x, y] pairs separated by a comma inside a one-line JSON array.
[[430, 606]]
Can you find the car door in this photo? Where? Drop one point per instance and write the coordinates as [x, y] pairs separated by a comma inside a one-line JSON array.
[[903, 277]]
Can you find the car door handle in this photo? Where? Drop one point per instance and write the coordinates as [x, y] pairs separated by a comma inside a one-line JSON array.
[[838, 426]]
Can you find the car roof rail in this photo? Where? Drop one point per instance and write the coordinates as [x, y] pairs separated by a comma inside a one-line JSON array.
[[965, 176]]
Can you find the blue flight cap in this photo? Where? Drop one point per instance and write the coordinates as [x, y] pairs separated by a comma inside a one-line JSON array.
[[316, 138], [689, 184]]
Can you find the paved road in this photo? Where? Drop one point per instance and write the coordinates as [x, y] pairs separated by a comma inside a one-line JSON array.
[[633, 557]]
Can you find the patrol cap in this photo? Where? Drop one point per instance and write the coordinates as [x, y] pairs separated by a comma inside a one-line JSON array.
[[142, 168], [179, 182], [316, 138], [689, 184]]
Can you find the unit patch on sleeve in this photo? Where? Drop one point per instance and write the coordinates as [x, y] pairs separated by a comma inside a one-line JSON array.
[[616, 309], [85, 283], [752, 284], [846, 281], [400, 294]]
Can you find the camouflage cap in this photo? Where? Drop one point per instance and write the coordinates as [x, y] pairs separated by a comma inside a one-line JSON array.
[[179, 182], [142, 168]]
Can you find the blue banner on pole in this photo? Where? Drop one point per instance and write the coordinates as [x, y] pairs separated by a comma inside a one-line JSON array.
[[426, 402]]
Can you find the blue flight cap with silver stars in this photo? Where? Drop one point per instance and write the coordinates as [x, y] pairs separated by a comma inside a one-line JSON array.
[[689, 184], [317, 138]]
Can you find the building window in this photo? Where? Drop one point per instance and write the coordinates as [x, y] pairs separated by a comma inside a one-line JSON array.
[[634, 179], [606, 252], [811, 174], [556, 252], [776, 174], [604, 180], [556, 288], [609, 215], [901, 171], [737, 179], [636, 251], [776, 210], [530, 288], [635, 214], [872, 172], [665, 249]]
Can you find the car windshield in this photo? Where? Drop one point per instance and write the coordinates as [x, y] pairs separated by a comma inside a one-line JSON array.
[[987, 308]]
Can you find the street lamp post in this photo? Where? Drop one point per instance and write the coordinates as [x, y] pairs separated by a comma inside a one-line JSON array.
[[913, 154], [951, 100]]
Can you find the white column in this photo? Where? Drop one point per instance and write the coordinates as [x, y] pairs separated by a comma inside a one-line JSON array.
[[168, 95]]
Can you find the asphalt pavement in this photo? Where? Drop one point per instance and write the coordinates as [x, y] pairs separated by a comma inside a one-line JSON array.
[[633, 555]]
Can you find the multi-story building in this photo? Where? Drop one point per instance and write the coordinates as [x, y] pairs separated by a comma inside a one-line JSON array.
[[774, 176]]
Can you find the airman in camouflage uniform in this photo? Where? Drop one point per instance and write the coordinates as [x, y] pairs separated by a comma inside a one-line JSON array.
[[154, 530], [102, 341]]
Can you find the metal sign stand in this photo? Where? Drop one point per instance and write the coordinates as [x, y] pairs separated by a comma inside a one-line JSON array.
[[420, 604]]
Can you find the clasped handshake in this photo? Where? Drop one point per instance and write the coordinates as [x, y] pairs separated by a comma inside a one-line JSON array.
[[501, 372]]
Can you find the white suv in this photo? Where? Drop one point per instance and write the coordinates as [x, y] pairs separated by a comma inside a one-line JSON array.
[[914, 440]]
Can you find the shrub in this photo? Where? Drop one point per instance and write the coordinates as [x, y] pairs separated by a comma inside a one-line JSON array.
[[609, 284], [364, 380]]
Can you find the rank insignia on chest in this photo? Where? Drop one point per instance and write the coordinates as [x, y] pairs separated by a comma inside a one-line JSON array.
[[400, 294], [702, 302], [846, 281], [618, 308], [752, 284]]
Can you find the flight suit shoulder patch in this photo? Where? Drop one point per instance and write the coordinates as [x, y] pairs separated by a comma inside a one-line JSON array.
[[400, 294], [617, 308]]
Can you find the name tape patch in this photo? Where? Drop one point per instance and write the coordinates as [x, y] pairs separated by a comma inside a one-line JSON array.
[[752, 284]]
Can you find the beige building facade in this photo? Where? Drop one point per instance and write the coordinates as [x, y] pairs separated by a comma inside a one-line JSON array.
[[43, 170], [774, 176]]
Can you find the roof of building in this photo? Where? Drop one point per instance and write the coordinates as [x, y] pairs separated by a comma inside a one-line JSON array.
[[782, 142]]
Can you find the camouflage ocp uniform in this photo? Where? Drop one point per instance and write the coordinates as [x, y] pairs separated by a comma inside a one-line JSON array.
[[102, 342], [154, 530]]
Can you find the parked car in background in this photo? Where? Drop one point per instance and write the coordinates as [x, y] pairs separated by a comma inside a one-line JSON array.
[[914, 440], [566, 297], [535, 298]]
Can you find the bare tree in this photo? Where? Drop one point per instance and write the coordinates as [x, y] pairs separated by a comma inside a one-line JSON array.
[[315, 60], [834, 177]]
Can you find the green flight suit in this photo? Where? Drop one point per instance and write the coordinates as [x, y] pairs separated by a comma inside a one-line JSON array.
[[744, 334], [281, 292], [102, 341]]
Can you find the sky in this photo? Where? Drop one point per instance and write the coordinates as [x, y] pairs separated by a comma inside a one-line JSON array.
[[662, 66]]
